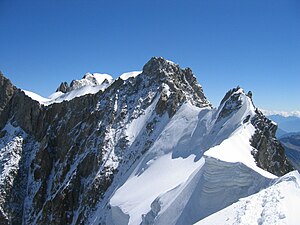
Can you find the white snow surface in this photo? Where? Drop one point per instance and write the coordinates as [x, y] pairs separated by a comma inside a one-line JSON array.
[[37, 97], [277, 204], [127, 75], [198, 165]]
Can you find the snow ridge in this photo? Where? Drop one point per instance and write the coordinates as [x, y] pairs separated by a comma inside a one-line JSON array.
[[211, 148]]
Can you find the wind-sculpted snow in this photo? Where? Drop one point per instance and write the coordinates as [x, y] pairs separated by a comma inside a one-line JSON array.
[[215, 185], [277, 204], [227, 173]]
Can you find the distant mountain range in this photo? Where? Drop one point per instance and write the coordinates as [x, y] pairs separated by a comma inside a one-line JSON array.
[[286, 124], [291, 143]]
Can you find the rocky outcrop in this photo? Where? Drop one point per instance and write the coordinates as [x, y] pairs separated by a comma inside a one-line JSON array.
[[268, 151], [230, 103], [177, 85], [7, 90], [63, 87]]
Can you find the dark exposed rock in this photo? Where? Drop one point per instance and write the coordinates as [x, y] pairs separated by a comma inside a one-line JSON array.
[[175, 79], [228, 94], [249, 94], [63, 87], [7, 91], [232, 103], [268, 153]]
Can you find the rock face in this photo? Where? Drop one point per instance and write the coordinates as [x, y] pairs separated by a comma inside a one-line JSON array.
[[6, 92], [268, 151], [230, 103], [58, 162], [63, 87]]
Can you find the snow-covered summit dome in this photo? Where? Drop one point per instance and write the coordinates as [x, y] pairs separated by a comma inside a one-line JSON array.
[[91, 79]]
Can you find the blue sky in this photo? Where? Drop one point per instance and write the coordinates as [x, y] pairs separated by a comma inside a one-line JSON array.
[[251, 43]]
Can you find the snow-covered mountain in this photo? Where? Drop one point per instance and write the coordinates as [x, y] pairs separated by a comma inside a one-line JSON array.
[[146, 148]]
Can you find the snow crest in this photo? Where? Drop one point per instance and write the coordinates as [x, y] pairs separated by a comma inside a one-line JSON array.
[[199, 164]]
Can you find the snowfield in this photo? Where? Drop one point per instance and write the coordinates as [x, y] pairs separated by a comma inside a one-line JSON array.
[[128, 75], [199, 164]]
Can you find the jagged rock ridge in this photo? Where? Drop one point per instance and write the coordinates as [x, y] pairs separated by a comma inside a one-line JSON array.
[[72, 156]]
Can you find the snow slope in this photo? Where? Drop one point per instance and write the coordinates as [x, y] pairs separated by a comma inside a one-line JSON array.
[[127, 75], [277, 204], [200, 163]]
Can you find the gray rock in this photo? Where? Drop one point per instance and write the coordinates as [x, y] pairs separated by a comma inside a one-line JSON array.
[[63, 87], [269, 153]]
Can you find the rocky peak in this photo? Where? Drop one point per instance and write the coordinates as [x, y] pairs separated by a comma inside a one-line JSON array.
[[159, 65], [229, 94], [180, 83], [267, 151], [231, 102], [63, 87], [6, 91]]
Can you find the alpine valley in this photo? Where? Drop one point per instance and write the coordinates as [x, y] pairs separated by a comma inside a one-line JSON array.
[[146, 148]]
